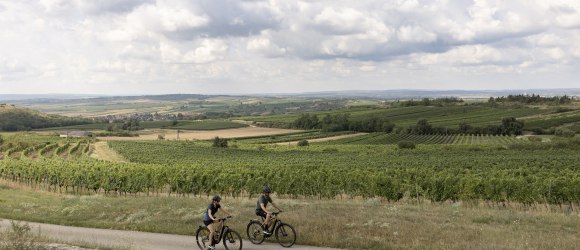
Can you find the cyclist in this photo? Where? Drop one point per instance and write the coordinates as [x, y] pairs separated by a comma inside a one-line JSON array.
[[262, 211], [209, 217]]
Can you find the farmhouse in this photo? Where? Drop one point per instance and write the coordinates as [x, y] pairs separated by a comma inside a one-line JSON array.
[[76, 134]]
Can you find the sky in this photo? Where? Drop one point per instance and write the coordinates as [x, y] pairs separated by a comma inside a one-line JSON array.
[[126, 47]]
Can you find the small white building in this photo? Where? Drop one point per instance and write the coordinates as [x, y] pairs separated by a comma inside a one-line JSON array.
[[76, 133]]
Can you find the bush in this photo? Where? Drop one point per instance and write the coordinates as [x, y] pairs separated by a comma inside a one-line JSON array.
[[220, 142], [160, 137], [1, 140], [303, 143], [564, 133], [534, 139], [406, 145]]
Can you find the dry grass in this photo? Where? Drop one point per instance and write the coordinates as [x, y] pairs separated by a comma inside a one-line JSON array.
[[350, 223]]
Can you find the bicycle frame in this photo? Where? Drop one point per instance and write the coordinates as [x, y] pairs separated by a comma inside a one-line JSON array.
[[224, 228], [275, 224]]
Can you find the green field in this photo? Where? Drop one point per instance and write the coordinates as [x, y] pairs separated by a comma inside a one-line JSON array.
[[449, 116], [528, 174], [390, 138], [181, 124]]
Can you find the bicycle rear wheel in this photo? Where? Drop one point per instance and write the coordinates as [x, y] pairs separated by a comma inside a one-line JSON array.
[[232, 240], [202, 238], [254, 232], [286, 235]]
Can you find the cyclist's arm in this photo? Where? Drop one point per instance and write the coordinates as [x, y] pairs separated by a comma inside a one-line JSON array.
[[264, 208], [209, 214]]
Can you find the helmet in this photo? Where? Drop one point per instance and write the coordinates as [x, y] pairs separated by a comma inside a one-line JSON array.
[[217, 198], [267, 189]]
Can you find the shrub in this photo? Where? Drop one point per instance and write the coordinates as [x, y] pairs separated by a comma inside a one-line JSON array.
[[1, 140], [160, 137], [220, 142], [564, 133], [406, 145], [303, 143]]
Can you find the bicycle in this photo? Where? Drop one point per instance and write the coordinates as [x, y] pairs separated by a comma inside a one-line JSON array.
[[284, 233], [231, 239]]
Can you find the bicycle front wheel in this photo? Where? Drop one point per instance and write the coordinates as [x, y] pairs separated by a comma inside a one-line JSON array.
[[254, 232], [202, 238], [232, 240], [286, 235]]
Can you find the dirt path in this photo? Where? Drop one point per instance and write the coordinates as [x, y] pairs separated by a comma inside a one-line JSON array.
[[132, 239], [103, 152], [323, 139]]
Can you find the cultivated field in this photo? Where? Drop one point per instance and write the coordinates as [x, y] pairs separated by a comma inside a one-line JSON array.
[[203, 135]]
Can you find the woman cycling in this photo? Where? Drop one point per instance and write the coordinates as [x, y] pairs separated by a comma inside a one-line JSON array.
[[209, 217]]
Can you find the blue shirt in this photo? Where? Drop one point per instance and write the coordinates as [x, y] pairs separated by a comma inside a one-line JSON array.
[[213, 209]]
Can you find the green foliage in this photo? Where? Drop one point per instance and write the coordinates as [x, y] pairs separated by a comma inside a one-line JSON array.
[[521, 175], [22, 119], [219, 142], [406, 145], [19, 238], [303, 143], [564, 133], [531, 99]]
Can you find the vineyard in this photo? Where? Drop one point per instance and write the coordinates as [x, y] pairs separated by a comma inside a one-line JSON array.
[[455, 172], [390, 138], [438, 116]]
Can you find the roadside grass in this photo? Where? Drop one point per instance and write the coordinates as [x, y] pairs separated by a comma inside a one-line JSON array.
[[20, 236], [340, 223]]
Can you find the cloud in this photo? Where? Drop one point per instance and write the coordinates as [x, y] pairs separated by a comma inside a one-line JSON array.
[[292, 43], [208, 50]]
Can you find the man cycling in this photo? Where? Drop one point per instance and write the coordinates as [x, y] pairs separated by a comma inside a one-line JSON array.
[[262, 211], [209, 217]]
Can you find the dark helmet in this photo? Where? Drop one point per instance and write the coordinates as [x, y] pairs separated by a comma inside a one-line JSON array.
[[267, 189], [217, 198]]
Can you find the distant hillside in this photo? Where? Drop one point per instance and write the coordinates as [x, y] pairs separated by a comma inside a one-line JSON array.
[[13, 118]]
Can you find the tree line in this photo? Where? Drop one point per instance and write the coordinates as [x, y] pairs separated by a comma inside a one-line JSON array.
[[531, 99], [342, 122]]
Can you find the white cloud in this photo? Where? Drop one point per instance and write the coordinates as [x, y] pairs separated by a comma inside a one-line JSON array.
[[415, 34], [289, 44]]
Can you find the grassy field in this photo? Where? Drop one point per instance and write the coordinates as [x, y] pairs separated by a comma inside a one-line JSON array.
[[351, 223]]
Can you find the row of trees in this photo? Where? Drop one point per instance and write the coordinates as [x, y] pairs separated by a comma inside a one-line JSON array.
[[531, 99], [445, 101], [341, 122]]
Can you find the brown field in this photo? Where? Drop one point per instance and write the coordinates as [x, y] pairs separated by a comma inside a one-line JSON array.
[[323, 139], [204, 135]]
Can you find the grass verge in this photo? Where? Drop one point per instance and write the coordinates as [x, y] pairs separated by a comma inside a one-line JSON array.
[[351, 224]]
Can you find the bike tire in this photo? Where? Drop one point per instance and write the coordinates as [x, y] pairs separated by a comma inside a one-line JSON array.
[[254, 231], [232, 240], [202, 238], [285, 235]]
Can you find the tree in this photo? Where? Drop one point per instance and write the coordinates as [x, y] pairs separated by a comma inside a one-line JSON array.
[[511, 126], [219, 142]]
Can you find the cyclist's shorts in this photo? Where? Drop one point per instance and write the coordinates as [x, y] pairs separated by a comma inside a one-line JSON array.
[[261, 213], [207, 222]]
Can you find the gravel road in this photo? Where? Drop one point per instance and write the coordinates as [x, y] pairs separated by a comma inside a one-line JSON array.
[[133, 239]]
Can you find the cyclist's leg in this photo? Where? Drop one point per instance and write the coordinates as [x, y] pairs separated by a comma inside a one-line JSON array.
[[210, 227]]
